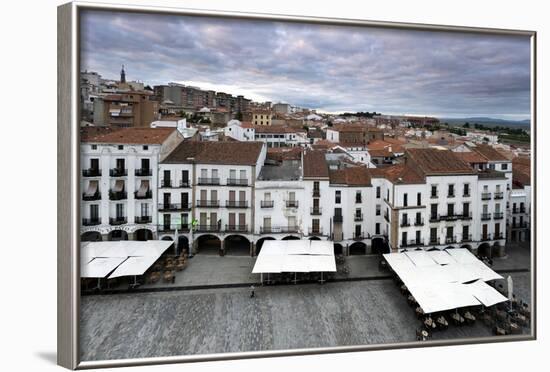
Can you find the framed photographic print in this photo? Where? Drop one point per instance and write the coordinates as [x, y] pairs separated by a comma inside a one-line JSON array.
[[237, 185]]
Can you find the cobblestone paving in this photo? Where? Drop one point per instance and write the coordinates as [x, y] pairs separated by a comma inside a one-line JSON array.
[[280, 317]]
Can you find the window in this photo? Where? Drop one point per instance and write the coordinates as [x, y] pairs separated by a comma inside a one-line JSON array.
[[387, 194], [492, 166], [434, 211], [94, 147], [377, 228], [378, 209], [466, 209], [404, 238], [121, 147], [419, 199], [145, 147], [451, 192], [466, 189], [434, 191], [450, 209], [377, 192], [358, 196], [405, 220], [119, 210], [405, 199], [338, 197], [504, 166], [465, 232], [144, 209], [433, 235]]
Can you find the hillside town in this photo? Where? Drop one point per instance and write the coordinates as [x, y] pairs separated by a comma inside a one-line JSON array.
[[156, 159]]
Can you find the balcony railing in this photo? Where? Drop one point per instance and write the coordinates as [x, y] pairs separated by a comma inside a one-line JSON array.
[[485, 237], [118, 172], [208, 228], [118, 195], [519, 225], [164, 207], [91, 221], [449, 217], [434, 195], [143, 219], [434, 241], [208, 203], [419, 222], [358, 217], [434, 218], [412, 243], [498, 215], [358, 236], [450, 239], [451, 195], [208, 181], [143, 172], [291, 203], [147, 195], [465, 216], [467, 194], [338, 218], [485, 216], [95, 196], [236, 228], [522, 210], [405, 222], [173, 227], [315, 231], [485, 196], [316, 192], [184, 183], [91, 172], [498, 236], [236, 203], [467, 238], [118, 221], [499, 195], [266, 203], [278, 229], [315, 211], [166, 183], [237, 182]]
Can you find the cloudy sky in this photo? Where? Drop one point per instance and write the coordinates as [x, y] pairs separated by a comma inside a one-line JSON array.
[[329, 68]]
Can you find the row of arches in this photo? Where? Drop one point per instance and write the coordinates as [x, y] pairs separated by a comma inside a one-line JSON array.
[[116, 235]]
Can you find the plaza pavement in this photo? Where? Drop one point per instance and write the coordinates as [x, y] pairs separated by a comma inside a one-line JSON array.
[[279, 317]]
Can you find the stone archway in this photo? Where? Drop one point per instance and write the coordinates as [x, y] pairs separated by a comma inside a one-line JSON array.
[[380, 246], [291, 237], [91, 236], [260, 243], [143, 235], [236, 245], [117, 235], [338, 249], [484, 250], [183, 244], [357, 248], [209, 244]]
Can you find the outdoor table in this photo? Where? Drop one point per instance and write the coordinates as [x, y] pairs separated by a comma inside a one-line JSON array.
[[457, 318], [429, 323], [515, 328], [442, 322], [469, 317]]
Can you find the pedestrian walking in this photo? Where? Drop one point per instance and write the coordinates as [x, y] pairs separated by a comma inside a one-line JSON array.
[[252, 291]]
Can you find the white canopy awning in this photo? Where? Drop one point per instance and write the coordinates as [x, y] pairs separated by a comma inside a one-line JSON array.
[[143, 188], [486, 294], [100, 267], [92, 188], [134, 266], [277, 256]]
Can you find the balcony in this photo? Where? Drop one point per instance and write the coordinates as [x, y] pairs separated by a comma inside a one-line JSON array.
[[434, 218], [485, 237], [434, 241], [118, 172], [316, 193], [96, 196], [170, 207], [173, 227], [208, 181], [315, 211], [266, 203], [291, 203], [236, 228], [465, 216], [450, 240], [485, 196], [412, 243], [434, 195], [451, 195], [405, 222], [498, 215], [208, 203], [91, 172], [359, 236], [467, 238], [499, 195], [498, 236], [143, 219], [338, 218], [485, 216], [236, 204], [166, 183], [118, 221], [184, 183], [522, 210], [142, 172], [467, 194], [519, 225], [278, 229], [315, 231], [118, 195], [449, 217], [147, 195], [208, 228], [237, 182], [358, 217], [91, 221], [419, 222]]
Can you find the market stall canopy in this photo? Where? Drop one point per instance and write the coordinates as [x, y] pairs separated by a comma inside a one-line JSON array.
[[277, 256], [100, 267]]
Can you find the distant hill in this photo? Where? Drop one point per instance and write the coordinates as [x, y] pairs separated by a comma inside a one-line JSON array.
[[489, 122]]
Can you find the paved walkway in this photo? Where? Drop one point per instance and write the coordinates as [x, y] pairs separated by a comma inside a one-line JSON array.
[[279, 317]]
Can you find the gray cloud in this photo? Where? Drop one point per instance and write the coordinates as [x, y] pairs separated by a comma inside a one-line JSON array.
[[330, 68]]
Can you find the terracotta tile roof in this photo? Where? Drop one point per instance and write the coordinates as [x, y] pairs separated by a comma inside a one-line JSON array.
[[395, 146], [274, 129], [433, 161], [212, 152], [284, 153], [349, 128], [521, 171], [471, 157], [352, 176], [382, 153], [402, 174], [126, 135], [315, 165], [489, 153]]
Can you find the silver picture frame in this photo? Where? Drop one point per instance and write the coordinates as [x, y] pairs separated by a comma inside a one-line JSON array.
[[68, 211]]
